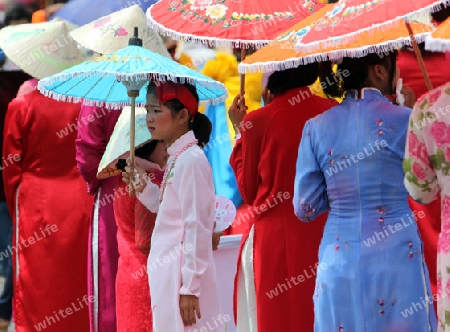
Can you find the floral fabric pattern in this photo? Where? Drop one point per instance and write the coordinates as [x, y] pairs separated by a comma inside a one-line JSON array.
[[427, 171]]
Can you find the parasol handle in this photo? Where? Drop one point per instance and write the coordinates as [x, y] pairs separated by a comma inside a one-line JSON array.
[[133, 96], [242, 88], [419, 56]]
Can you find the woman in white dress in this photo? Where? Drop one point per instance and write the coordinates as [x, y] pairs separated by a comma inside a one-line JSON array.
[[180, 267]]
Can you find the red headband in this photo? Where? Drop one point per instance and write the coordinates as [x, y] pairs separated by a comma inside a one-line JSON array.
[[171, 90]]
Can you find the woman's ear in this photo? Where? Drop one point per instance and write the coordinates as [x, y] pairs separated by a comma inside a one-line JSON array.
[[183, 116], [380, 72], [267, 96]]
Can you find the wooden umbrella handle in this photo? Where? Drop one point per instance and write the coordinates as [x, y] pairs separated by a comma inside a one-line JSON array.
[[419, 56], [242, 89], [132, 139]]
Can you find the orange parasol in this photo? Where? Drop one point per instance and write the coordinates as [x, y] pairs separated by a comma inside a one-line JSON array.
[[280, 54], [439, 40], [348, 19]]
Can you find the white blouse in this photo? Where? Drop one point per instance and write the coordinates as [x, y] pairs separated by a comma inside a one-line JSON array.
[[181, 260]]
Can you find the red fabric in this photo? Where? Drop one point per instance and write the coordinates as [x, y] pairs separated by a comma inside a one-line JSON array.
[[50, 290], [10, 81], [264, 162], [438, 69], [133, 310], [135, 224], [437, 66]]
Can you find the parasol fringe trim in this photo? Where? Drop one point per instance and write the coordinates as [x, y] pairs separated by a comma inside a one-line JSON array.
[[270, 66], [348, 38], [62, 77], [161, 77], [437, 44], [108, 105]]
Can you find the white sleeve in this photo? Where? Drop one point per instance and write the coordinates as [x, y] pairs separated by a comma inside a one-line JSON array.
[[150, 196]]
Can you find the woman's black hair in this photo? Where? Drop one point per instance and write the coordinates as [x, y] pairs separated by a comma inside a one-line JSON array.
[[200, 125], [143, 152], [281, 81], [146, 150], [352, 73], [442, 14]]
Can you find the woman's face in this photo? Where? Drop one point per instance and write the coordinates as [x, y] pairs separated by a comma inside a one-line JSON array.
[[160, 122], [159, 156]]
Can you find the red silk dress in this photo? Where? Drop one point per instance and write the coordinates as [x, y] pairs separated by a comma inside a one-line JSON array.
[[429, 221], [50, 209], [135, 225], [264, 162]]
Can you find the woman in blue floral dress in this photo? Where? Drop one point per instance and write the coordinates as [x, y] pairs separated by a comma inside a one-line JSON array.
[[372, 276]]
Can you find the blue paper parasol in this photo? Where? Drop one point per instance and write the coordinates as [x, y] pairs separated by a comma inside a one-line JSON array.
[[107, 91], [99, 80]]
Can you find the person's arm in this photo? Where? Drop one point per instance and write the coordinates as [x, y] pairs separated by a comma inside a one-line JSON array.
[[149, 196], [197, 201], [409, 95], [245, 159], [13, 153], [146, 191], [420, 175], [27, 87], [310, 195], [245, 156], [90, 146]]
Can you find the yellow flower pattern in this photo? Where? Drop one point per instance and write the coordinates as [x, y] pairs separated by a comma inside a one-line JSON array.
[[216, 12]]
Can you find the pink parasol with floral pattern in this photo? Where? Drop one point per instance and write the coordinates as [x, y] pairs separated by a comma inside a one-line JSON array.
[[228, 22], [237, 23]]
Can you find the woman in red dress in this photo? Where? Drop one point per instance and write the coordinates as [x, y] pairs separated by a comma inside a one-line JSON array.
[[135, 225], [276, 248], [50, 210]]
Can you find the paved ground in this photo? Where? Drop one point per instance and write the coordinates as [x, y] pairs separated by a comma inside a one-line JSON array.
[[2, 282]]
